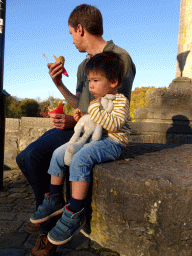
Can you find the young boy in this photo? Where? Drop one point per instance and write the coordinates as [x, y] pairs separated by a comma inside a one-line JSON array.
[[105, 74]]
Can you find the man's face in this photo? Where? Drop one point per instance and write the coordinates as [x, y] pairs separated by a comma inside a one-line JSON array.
[[77, 39]]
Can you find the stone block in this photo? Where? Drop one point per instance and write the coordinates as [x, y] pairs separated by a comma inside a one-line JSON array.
[[23, 143], [10, 154], [142, 205], [12, 124], [11, 142], [38, 121]]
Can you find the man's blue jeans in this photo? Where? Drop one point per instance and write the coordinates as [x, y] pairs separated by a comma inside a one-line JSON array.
[[34, 163], [35, 159]]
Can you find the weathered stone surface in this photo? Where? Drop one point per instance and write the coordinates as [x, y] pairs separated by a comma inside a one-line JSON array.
[[169, 111], [12, 124], [10, 154], [38, 121], [11, 142], [143, 204]]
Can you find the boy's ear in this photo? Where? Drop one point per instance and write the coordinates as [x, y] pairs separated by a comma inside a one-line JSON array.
[[114, 83]]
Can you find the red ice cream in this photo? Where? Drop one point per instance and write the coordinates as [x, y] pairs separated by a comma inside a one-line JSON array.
[[58, 110]]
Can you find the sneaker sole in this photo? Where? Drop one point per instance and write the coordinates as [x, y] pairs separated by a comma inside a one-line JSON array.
[[68, 239], [47, 217]]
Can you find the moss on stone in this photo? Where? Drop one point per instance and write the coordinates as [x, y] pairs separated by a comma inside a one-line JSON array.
[[98, 225]]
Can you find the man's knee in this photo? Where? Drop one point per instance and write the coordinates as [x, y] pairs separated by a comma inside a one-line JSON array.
[[24, 157]]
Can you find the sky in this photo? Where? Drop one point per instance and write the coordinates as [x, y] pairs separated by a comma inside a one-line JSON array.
[[147, 29]]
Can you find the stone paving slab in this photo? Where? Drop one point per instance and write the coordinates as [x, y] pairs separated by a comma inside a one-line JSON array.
[[12, 252], [17, 203]]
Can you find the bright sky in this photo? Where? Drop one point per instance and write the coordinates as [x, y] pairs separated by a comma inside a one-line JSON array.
[[147, 29]]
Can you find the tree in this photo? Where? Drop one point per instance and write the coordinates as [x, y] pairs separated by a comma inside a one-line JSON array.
[[68, 109], [30, 108], [13, 107], [139, 99]]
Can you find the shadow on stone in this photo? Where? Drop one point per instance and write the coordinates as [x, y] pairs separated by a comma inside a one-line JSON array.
[[137, 149], [6, 168], [182, 57], [180, 127]]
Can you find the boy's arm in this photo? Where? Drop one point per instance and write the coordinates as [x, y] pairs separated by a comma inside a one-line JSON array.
[[113, 121]]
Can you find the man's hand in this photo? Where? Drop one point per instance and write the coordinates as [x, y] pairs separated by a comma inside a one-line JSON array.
[[77, 114], [62, 121], [55, 72]]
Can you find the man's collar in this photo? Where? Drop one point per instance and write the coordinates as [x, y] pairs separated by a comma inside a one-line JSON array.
[[108, 47]]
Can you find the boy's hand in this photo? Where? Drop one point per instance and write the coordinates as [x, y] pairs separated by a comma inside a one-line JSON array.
[[96, 100], [55, 72], [62, 121], [77, 114]]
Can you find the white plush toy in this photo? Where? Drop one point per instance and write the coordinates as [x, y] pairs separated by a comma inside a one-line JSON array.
[[88, 127]]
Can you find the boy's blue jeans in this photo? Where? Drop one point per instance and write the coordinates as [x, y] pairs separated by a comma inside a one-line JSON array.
[[83, 161]]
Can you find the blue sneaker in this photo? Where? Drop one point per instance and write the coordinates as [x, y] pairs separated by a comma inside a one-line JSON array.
[[67, 226], [51, 206]]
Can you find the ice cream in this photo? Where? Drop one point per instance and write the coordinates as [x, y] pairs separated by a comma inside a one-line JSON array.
[[62, 60], [58, 110]]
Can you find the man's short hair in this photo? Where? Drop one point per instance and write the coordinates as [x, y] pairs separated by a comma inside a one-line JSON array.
[[107, 63], [89, 17]]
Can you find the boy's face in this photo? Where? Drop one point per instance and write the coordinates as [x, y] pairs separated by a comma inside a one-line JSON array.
[[99, 85]]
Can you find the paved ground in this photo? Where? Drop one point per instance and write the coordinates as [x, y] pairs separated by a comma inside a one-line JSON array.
[[17, 203]]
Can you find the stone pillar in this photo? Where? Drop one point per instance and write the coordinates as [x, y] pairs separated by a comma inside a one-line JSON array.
[[184, 49], [173, 106]]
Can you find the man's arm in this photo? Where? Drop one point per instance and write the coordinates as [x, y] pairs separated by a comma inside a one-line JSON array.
[[55, 71]]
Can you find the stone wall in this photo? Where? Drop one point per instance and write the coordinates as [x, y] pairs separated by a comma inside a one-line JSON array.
[[19, 133], [141, 203]]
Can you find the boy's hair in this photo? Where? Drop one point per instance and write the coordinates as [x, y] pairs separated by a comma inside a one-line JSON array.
[[89, 17], [109, 64]]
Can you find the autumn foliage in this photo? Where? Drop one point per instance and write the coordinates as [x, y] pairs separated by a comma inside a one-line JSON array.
[[16, 108], [139, 99]]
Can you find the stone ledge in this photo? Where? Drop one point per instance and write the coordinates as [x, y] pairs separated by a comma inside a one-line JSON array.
[[38, 121], [12, 124], [160, 127], [142, 205]]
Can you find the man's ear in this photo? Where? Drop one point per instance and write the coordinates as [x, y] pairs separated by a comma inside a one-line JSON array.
[[80, 29]]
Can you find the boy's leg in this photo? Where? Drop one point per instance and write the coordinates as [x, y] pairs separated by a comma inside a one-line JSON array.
[[53, 202], [80, 169]]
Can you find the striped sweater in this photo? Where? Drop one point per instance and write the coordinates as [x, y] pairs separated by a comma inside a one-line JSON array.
[[117, 123]]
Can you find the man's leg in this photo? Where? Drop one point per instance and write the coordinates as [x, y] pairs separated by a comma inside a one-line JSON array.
[[43, 246], [34, 161]]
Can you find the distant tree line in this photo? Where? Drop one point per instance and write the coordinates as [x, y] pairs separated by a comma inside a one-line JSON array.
[[16, 108]]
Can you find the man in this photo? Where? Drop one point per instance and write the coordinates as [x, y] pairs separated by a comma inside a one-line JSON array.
[[86, 27]]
